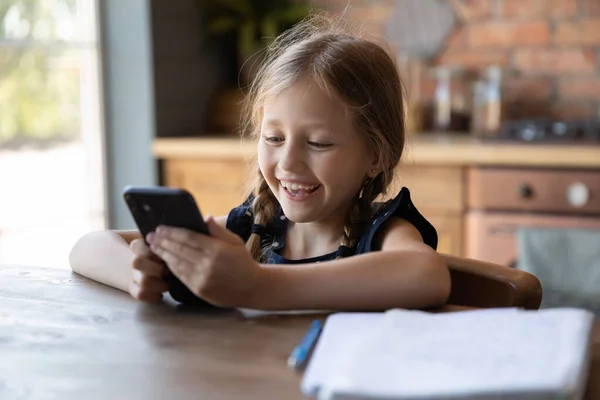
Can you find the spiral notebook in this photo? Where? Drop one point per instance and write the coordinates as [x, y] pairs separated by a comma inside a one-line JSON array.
[[480, 354]]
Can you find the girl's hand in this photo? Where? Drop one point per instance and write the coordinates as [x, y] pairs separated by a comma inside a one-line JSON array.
[[216, 268], [148, 275]]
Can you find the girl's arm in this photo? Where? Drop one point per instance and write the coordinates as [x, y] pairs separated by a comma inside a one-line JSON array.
[[406, 273], [105, 256]]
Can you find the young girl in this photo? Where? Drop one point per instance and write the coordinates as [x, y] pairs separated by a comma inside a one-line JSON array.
[[327, 112]]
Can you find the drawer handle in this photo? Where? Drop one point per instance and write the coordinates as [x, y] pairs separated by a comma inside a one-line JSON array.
[[578, 194], [526, 191]]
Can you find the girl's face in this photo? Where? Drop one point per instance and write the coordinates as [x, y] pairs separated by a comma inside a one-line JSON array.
[[311, 155]]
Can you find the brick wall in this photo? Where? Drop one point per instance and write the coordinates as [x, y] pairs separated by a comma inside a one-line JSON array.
[[549, 50]]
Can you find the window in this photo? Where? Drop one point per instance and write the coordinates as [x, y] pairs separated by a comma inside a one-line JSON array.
[[51, 147]]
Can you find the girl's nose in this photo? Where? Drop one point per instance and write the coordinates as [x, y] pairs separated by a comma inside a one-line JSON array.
[[292, 158]]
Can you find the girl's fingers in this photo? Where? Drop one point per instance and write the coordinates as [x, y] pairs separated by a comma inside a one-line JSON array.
[[190, 238], [187, 253], [151, 284], [178, 265], [140, 248], [148, 282], [140, 294], [148, 266]]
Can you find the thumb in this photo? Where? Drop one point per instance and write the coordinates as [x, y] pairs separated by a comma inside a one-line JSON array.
[[219, 232]]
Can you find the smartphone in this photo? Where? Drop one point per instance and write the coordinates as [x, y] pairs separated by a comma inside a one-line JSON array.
[[151, 206]]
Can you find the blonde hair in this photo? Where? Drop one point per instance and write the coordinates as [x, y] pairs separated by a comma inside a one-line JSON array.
[[347, 67]]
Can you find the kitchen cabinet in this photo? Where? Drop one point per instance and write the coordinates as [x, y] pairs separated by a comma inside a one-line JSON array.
[[218, 185], [442, 173], [438, 194]]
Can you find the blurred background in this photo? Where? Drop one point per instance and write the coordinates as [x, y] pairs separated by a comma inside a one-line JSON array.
[[503, 107], [51, 135]]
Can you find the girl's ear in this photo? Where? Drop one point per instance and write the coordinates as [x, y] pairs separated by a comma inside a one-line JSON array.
[[373, 169]]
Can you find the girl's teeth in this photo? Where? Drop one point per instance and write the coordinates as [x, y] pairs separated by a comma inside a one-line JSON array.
[[297, 186], [299, 189]]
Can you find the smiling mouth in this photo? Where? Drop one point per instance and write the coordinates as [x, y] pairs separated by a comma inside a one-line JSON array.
[[298, 189]]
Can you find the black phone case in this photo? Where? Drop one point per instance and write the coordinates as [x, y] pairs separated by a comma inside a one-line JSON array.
[[158, 205]]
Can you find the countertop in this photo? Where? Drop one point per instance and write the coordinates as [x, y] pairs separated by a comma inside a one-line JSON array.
[[430, 149]]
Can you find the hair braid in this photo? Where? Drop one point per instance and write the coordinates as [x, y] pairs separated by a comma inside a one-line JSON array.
[[263, 209], [361, 211]]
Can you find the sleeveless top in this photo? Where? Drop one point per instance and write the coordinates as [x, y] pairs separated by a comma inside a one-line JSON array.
[[241, 219]]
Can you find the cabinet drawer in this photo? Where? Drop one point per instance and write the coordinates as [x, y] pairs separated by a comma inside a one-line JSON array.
[[492, 236], [438, 189], [576, 192]]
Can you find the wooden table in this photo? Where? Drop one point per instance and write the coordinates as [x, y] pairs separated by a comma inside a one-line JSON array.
[[64, 336]]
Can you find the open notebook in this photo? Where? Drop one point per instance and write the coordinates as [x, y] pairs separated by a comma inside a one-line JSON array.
[[481, 354]]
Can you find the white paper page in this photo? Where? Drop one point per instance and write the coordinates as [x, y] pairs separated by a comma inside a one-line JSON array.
[[252, 313], [341, 335], [415, 355]]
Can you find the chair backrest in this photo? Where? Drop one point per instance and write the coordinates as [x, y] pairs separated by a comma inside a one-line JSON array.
[[484, 285]]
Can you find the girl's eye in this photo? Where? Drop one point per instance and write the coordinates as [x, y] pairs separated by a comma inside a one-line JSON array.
[[320, 145], [273, 139]]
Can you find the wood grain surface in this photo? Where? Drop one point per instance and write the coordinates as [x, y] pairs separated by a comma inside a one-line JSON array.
[[65, 337]]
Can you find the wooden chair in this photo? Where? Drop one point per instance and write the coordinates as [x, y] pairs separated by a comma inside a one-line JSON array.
[[484, 285]]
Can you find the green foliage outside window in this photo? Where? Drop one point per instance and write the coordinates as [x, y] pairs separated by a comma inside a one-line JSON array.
[[39, 72]]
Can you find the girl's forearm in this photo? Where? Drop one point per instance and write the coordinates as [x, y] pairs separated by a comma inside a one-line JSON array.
[[104, 256], [373, 281]]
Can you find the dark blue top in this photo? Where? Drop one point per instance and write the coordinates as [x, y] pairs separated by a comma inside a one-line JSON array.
[[241, 218]]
